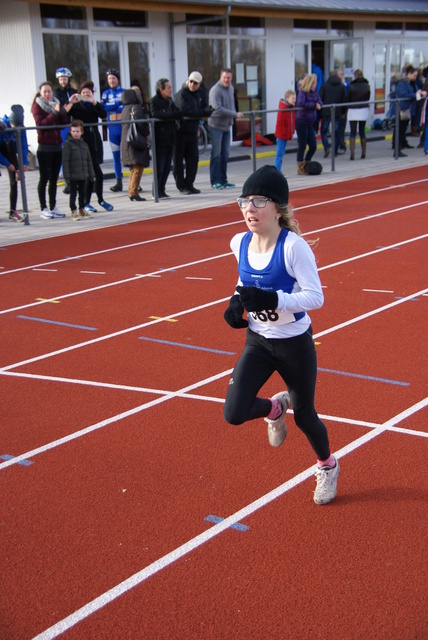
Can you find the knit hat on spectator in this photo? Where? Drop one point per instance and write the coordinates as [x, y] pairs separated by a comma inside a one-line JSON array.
[[16, 117], [269, 182]]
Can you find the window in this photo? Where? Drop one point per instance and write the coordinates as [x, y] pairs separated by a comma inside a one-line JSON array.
[[63, 17], [389, 27], [114, 18], [208, 56], [213, 27], [416, 26], [342, 28], [69, 51], [318, 26], [246, 26]]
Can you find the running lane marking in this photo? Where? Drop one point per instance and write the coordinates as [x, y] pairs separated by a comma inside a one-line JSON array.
[[202, 261], [229, 224], [176, 554]]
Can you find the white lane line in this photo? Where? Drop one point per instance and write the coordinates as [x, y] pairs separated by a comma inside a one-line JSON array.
[[121, 416], [168, 559], [378, 290], [228, 224], [189, 264]]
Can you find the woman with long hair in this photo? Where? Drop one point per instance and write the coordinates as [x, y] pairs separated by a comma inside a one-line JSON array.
[[47, 111], [309, 103]]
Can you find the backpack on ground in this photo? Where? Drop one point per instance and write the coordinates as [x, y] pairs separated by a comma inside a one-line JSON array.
[[313, 168]]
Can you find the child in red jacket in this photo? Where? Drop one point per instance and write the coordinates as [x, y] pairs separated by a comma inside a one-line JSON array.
[[285, 126]]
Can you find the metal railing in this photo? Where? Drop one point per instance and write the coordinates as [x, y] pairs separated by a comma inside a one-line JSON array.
[[151, 122]]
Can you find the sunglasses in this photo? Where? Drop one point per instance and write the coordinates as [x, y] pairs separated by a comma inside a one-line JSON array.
[[193, 82]]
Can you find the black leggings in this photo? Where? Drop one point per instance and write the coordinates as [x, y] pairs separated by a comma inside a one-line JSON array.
[[49, 167], [9, 152], [361, 128], [296, 362], [99, 180]]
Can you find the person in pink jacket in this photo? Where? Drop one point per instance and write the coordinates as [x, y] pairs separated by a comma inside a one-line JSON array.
[[285, 125]]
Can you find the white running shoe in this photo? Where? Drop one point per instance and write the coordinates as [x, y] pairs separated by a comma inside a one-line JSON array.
[[277, 430], [326, 488], [46, 214], [56, 213]]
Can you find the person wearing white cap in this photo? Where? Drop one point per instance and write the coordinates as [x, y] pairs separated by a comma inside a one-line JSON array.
[[193, 102]]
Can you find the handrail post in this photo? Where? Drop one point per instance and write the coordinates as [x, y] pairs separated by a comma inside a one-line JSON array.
[[18, 137], [253, 138], [333, 136], [155, 172]]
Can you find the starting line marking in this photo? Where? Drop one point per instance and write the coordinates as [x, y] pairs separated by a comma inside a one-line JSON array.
[[47, 300], [23, 463], [194, 278], [363, 377], [188, 346], [378, 290], [62, 324], [161, 318], [237, 525], [98, 273]]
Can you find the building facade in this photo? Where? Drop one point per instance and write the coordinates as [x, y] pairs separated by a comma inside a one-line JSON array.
[[268, 44]]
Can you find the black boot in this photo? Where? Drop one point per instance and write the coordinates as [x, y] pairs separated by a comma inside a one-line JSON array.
[[118, 186]]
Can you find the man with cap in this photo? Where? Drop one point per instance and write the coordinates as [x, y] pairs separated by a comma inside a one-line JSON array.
[[112, 101], [278, 284], [222, 101], [193, 102], [9, 157]]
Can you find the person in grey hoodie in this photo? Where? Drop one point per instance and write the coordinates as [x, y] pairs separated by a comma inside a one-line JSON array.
[[222, 100]]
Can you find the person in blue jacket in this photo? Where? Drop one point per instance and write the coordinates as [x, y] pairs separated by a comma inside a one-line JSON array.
[[9, 157], [112, 101]]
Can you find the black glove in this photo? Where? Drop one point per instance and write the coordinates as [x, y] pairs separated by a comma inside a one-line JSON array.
[[234, 312], [208, 111], [255, 299]]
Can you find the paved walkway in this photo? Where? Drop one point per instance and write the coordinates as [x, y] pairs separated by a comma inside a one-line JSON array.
[[379, 160]]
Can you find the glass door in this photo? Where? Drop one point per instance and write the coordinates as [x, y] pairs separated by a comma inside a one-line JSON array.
[[302, 53], [138, 65], [348, 55]]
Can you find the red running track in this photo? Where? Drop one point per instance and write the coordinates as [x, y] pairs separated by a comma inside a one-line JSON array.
[[114, 365]]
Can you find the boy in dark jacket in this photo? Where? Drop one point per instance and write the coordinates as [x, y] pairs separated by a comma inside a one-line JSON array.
[[77, 167]]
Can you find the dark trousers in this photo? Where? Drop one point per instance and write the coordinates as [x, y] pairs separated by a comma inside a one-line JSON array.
[[305, 137], [186, 152], [163, 166], [361, 128], [325, 124], [99, 182], [77, 187], [296, 362], [8, 151], [49, 167]]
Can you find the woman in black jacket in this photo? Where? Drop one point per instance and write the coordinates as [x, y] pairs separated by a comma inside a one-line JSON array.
[[136, 159], [163, 108], [359, 91], [89, 111]]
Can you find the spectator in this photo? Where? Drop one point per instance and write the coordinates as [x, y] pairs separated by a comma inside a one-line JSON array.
[[112, 100], [63, 93], [8, 156], [47, 111], [78, 169], [342, 122], [331, 92], [316, 69], [222, 101], [285, 125], [89, 111], [359, 91], [309, 103], [164, 109], [407, 96], [193, 102], [135, 159]]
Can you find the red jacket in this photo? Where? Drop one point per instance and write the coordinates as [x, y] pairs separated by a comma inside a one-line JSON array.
[[44, 119], [285, 122]]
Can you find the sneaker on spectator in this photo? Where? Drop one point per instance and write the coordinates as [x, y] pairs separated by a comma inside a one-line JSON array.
[[326, 487], [74, 215], [105, 205], [84, 214], [277, 430], [229, 185], [89, 208], [217, 185], [14, 216], [46, 214], [56, 213]]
